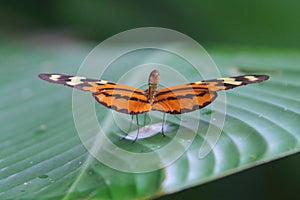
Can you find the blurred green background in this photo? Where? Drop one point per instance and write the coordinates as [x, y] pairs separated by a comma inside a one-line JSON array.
[[259, 24]]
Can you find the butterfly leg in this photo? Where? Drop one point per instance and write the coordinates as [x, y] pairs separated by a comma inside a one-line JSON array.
[[144, 119], [130, 126], [138, 129], [163, 124]]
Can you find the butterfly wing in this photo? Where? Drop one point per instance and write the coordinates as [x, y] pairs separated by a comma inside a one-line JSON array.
[[229, 82], [182, 98], [196, 95], [124, 99], [119, 97]]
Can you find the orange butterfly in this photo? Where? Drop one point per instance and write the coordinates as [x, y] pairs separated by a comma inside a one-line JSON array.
[[174, 100]]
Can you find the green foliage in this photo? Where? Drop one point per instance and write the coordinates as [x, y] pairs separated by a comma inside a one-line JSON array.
[[42, 157], [265, 22]]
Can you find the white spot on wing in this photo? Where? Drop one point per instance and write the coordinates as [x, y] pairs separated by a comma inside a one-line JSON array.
[[231, 81], [54, 77], [198, 82], [102, 82], [75, 80], [251, 78]]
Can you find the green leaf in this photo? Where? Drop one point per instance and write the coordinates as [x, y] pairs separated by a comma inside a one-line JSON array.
[[42, 156]]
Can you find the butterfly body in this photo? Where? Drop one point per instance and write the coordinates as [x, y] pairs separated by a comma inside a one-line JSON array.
[[174, 100], [153, 82]]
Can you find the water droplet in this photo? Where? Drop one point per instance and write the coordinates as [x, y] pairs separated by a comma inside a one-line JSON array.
[[42, 127], [285, 109], [25, 183], [80, 162], [259, 115], [31, 162]]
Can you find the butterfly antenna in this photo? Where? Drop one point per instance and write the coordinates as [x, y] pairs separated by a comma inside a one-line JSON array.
[[163, 124]]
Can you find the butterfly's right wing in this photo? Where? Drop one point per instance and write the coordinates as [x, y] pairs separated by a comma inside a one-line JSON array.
[[182, 99], [196, 95]]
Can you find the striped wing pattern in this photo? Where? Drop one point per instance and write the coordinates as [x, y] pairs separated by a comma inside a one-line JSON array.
[[174, 100], [119, 97], [182, 99], [196, 95]]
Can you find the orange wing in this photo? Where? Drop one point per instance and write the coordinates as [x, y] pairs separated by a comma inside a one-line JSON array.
[[174, 100], [182, 98], [119, 97], [196, 95]]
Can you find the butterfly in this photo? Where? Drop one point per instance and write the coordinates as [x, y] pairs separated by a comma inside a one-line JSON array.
[[177, 99]]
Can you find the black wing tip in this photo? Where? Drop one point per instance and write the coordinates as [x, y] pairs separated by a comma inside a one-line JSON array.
[[261, 77], [44, 76], [54, 78], [251, 78], [47, 77]]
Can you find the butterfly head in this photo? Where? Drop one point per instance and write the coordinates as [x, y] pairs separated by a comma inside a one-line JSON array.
[[154, 78], [153, 82]]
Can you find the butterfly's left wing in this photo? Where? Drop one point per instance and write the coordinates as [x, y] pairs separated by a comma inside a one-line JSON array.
[[196, 95], [116, 96]]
